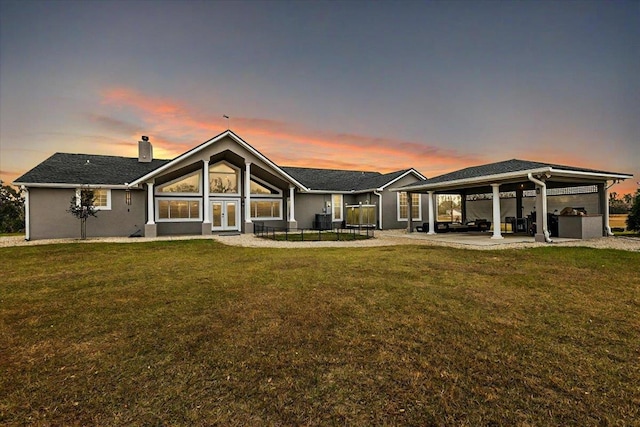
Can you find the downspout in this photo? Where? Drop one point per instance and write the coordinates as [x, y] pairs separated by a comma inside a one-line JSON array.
[[543, 186], [607, 227], [27, 223], [379, 208]]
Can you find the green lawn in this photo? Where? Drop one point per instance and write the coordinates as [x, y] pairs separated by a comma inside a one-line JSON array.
[[197, 333]]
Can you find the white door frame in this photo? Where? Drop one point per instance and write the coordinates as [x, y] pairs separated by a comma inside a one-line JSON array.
[[224, 220]]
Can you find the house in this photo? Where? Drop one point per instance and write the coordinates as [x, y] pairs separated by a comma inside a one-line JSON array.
[[222, 185]]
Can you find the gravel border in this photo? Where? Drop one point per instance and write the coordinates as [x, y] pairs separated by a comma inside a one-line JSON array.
[[382, 238]]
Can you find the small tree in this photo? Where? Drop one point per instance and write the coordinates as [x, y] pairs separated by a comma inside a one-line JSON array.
[[82, 207], [11, 210], [633, 220]]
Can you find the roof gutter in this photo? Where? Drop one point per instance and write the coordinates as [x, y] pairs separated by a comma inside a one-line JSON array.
[[543, 214], [487, 179], [66, 185]]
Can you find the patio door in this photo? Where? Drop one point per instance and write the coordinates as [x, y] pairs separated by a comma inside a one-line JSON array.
[[225, 215]]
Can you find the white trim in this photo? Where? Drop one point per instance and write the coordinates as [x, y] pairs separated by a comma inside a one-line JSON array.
[[419, 218], [268, 218], [333, 214], [178, 199], [97, 208], [413, 171], [223, 202], [247, 192], [27, 223], [212, 141], [40, 185], [379, 194], [150, 204], [292, 204], [497, 216], [432, 214], [488, 179], [238, 180], [205, 188], [592, 174], [265, 184], [180, 178]]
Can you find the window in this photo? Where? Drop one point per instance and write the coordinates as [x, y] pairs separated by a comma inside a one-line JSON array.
[[261, 188], [101, 198], [266, 209], [403, 206], [178, 209], [336, 207], [223, 179], [188, 184]]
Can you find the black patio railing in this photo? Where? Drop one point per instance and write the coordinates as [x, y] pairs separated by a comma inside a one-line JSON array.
[[312, 235]]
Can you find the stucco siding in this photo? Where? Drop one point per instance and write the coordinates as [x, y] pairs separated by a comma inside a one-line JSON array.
[[308, 205], [390, 206], [49, 218], [179, 228]]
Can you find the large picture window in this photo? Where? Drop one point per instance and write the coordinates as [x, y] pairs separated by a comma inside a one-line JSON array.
[[188, 184], [403, 206], [178, 210], [266, 209], [223, 179]]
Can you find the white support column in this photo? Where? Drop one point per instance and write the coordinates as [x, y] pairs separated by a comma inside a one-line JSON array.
[[150, 204], [432, 222], [605, 208], [247, 193], [496, 212], [205, 200], [150, 228], [292, 213], [27, 225], [409, 213]]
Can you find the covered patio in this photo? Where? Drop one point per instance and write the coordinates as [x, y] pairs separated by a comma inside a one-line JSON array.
[[518, 179]]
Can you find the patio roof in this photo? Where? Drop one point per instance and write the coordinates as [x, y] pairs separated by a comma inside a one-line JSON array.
[[513, 174]]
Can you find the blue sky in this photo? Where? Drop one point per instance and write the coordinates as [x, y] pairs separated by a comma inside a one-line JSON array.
[[360, 85]]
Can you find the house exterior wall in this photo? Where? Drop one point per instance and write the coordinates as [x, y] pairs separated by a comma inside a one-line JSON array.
[[49, 218], [390, 206], [308, 205]]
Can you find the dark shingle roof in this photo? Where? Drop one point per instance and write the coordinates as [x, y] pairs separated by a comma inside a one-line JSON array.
[[65, 168], [507, 166], [340, 180]]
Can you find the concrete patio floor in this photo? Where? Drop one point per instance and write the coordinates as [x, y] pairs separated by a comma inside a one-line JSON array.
[[479, 238]]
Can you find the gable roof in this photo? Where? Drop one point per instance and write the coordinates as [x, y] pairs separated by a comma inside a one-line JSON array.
[[212, 141], [73, 170], [511, 169], [326, 180]]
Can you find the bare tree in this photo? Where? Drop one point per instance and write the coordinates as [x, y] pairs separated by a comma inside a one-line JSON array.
[[82, 207]]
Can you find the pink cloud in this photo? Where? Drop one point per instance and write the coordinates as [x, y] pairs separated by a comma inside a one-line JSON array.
[[175, 128]]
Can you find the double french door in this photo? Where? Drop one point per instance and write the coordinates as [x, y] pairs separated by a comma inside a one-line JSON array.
[[225, 215]]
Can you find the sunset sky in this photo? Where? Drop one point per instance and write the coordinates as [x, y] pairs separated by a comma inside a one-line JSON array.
[[382, 86]]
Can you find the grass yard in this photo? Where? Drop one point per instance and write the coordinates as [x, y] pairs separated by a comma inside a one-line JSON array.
[[197, 333]]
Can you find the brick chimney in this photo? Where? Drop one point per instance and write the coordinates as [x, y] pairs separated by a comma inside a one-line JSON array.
[[145, 150]]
